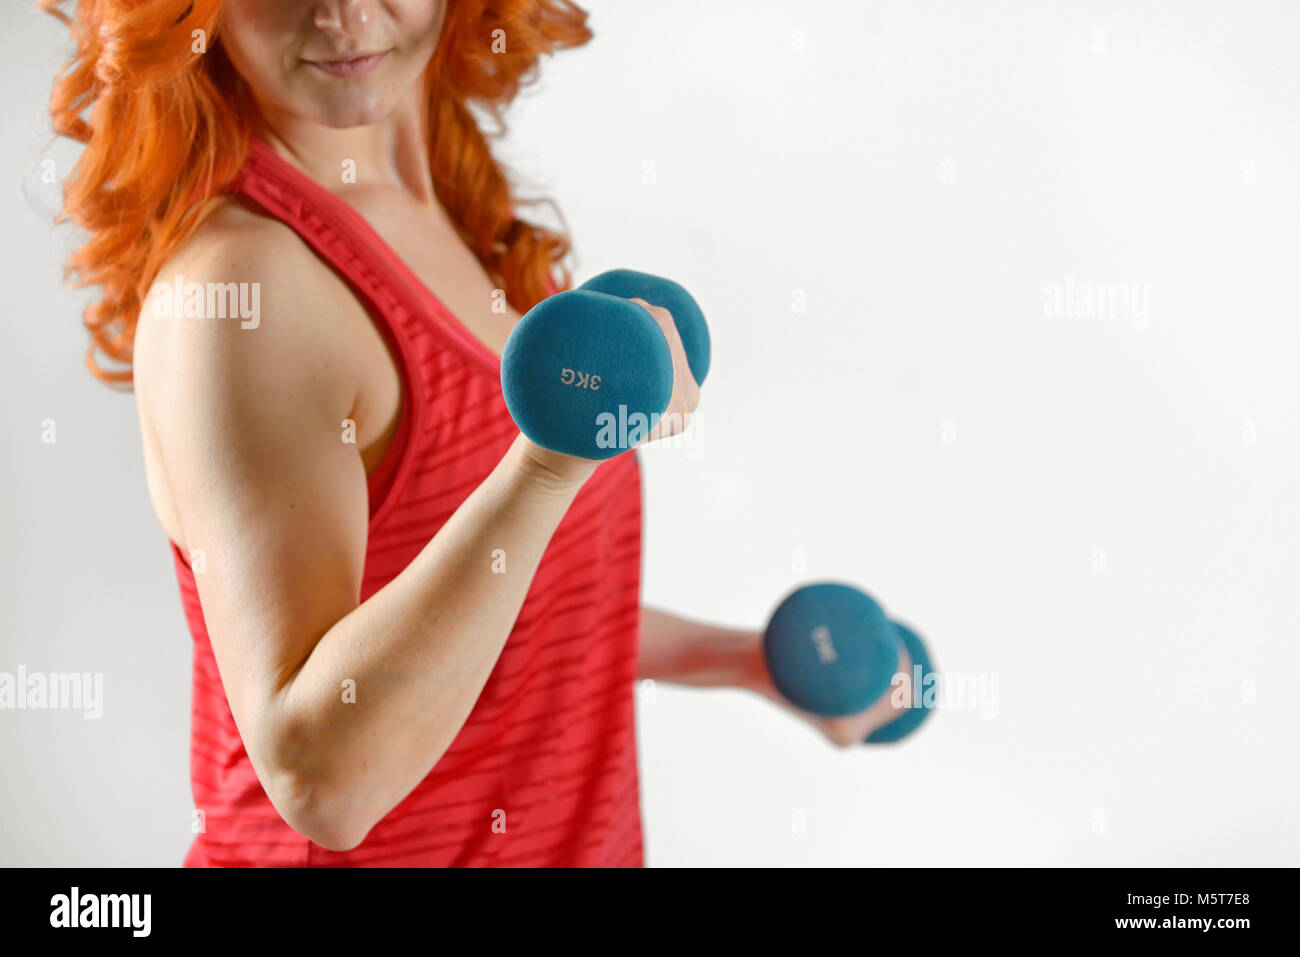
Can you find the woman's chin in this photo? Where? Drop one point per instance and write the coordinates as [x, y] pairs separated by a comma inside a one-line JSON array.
[[360, 108]]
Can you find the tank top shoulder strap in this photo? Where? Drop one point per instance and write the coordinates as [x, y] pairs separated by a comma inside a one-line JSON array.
[[341, 237], [344, 238], [332, 228]]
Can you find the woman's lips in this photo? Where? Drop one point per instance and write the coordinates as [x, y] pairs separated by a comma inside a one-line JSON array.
[[356, 66]]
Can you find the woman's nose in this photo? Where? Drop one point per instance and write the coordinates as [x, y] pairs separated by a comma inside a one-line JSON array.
[[345, 18]]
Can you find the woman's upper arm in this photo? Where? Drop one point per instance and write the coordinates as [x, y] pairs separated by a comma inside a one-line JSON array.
[[248, 423]]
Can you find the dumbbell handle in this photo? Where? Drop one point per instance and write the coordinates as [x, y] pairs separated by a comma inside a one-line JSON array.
[[686, 312]]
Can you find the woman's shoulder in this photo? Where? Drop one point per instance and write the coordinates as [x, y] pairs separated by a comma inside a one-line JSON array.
[[235, 243], [244, 353], [243, 297]]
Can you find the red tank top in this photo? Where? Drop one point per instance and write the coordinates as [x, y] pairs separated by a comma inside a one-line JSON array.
[[544, 772]]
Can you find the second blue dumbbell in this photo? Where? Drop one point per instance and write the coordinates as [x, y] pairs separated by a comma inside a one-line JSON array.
[[832, 651]]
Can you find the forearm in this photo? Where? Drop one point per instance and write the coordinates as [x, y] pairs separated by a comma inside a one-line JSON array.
[[686, 652], [418, 652]]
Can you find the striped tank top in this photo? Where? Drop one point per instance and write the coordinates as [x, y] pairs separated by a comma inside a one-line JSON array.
[[544, 771]]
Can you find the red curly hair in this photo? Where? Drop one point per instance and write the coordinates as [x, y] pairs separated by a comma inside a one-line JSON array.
[[169, 126]]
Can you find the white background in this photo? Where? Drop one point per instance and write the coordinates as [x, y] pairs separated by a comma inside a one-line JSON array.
[[1100, 514]]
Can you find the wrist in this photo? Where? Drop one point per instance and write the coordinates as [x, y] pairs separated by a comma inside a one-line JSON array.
[[550, 472], [757, 677], [740, 662]]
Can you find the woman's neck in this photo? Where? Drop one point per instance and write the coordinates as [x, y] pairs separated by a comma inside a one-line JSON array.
[[392, 152]]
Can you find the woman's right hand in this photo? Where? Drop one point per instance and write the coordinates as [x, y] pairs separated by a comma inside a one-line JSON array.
[[563, 469], [686, 391]]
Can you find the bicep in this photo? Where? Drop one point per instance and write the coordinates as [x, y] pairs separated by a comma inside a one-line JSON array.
[[249, 425]]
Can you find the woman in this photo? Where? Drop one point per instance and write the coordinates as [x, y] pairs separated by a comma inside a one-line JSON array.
[[416, 633]]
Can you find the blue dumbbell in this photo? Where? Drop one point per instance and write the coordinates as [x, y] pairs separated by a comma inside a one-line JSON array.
[[831, 651], [582, 365]]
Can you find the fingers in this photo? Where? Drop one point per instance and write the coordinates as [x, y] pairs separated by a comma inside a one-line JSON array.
[[853, 730], [686, 391]]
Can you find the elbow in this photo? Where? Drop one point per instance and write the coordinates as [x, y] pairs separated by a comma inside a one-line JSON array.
[[316, 810], [310, 799], [320, 819]]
